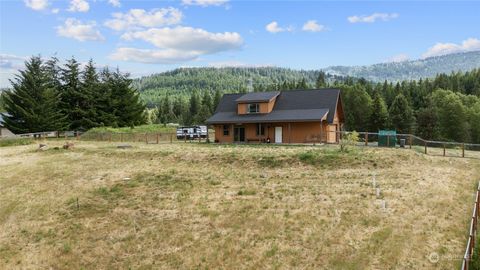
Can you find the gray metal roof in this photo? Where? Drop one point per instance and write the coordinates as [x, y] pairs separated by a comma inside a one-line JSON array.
[[258, 96], [292, 106]]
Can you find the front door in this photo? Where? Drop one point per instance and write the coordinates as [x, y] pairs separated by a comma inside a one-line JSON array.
[[239, 134], [278, 134]]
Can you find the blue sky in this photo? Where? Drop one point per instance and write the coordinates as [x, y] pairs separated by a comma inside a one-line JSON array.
[[144, 37]]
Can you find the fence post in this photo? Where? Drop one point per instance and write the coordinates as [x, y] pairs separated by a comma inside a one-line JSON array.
[[388, 140], [146, 138], [157, 137], [411, 139], [366, 138], [463, 150], [443, 149], [425, 147]]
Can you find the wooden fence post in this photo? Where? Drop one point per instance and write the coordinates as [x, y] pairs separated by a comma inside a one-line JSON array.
[[443, 149], [463, 150], [157, 137], [411, 139], [388, 140], [425, 147], [366, 138]]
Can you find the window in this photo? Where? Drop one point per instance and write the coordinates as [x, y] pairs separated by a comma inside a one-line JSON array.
[[253, 108], [226, 130], [260, 130]]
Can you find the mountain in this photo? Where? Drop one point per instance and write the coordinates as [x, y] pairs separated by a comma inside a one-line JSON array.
[[411, 70]]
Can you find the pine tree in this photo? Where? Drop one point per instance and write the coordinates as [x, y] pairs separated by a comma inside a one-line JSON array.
[[379, 116], [452, 116], [72, 99], [427, 123], [89, 99], [401, 115], [207, 102], [193, 109], [32, 105], [302, 84], [127, 106], [321, 82]]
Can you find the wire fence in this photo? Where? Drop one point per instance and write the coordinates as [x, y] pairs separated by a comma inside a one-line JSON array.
[[472, 233]]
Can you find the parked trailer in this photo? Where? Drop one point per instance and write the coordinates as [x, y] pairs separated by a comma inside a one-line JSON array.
[[193, 132]]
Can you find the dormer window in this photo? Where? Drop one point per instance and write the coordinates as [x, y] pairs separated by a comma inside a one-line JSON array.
[[253, 108]]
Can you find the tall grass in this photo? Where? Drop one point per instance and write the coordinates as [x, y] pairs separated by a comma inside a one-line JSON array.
[[15, 141]]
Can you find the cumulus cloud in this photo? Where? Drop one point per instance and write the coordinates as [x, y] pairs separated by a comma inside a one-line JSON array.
[[468, 45], [176, 45], [76, 29], [115, 3], [36, 4], [273, 27], [135, 18], [398, 58], [313, 26], [204, 3], [372, 18], [79, 6]]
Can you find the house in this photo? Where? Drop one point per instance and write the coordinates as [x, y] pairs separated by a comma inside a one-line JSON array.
[[4, 132], [297, 116]]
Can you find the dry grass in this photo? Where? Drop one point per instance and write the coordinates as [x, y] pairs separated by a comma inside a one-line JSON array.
[[189, 206]]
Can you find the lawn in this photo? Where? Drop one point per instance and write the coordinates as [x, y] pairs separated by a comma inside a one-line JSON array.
[[206, 206]]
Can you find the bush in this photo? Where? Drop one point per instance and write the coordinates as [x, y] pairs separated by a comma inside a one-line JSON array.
[[349, 140]]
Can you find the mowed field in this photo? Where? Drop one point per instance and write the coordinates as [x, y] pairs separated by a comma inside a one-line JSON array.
[[199, 206]]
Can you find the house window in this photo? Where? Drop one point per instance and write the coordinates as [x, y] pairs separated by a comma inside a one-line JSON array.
[[253, 108], [260, 130], [226, 130]]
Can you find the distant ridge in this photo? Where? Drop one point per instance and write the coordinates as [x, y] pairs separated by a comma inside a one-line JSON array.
[[411, 70]]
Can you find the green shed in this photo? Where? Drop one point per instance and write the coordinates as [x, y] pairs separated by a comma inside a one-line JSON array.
[[387, 138]]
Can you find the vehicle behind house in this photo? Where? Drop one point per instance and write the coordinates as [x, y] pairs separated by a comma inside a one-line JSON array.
[[192, 132]]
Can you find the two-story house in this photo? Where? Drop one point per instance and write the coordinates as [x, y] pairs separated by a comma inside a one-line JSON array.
[[297, 116]]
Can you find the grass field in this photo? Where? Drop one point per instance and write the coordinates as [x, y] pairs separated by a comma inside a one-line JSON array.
[[200, 206]]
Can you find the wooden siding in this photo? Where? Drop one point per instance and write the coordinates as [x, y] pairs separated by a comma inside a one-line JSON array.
[[265, 107], [294, 132]]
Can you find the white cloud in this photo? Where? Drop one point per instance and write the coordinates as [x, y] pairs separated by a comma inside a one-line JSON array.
[[36, 4], [55, 10], [135, 18], [115, 3], [372, 18], [204, 3], [188, 39], [9, 66], [169, 56], [73, 28], [273, 27], [398, 58], [313, 26], [79, 6], [176, 45], [468, 45]]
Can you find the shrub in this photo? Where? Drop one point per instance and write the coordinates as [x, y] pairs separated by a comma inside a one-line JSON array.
[[349, 140]]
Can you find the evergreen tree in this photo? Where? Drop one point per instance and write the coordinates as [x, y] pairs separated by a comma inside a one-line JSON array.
[[401, 115], [88, 99], [72, 98], [475, 123], [127, 107], [358, 108], [193, 109], [207, 102], [427, 123], [320, 82], [32, 105], [379, 116], [302, 84]]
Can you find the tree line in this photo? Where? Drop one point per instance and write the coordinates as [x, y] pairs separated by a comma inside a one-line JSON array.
[[446, 107], [46, 96]]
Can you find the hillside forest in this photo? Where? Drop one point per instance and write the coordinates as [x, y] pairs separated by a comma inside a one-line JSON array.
[[446, 107]]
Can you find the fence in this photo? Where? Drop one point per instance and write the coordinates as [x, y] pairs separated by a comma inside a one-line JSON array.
[[472, 237], [148, 137], [435, 148]]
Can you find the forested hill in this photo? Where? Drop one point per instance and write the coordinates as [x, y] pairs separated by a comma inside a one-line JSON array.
[[411, 70], [227, 79]]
